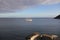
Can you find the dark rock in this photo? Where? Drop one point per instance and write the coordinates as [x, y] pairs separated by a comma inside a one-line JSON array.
[[45, 38], [42, 37], [35, 33], [57, 17]]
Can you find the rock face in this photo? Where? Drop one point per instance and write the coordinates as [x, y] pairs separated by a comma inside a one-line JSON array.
[[31, 36], [57, 17], [34, 36]]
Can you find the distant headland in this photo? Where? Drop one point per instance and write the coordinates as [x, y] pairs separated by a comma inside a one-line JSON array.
[[57, 17]]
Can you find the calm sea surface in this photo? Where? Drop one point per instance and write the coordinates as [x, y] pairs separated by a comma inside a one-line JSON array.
[[18, 29]]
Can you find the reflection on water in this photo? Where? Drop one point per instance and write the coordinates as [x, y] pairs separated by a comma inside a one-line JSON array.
[[18, 29]]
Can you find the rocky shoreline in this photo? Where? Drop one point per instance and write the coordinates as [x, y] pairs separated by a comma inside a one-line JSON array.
[[57, 17], [42, 37]]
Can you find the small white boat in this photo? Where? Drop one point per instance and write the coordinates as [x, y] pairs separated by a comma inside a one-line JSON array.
[[29, 19]]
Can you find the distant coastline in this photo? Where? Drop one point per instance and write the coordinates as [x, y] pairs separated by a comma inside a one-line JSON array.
[[57, 17]]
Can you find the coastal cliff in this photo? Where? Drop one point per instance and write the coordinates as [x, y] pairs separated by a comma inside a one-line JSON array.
[[57, 17]]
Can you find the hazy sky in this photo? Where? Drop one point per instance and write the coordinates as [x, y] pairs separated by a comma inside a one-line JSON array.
[[30, 9]]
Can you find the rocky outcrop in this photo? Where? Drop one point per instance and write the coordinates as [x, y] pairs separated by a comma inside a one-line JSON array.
[[57, 17], [38, 36], [33, 36]]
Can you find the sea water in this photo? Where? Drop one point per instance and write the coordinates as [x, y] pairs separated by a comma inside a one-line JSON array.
[[19, 28]]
